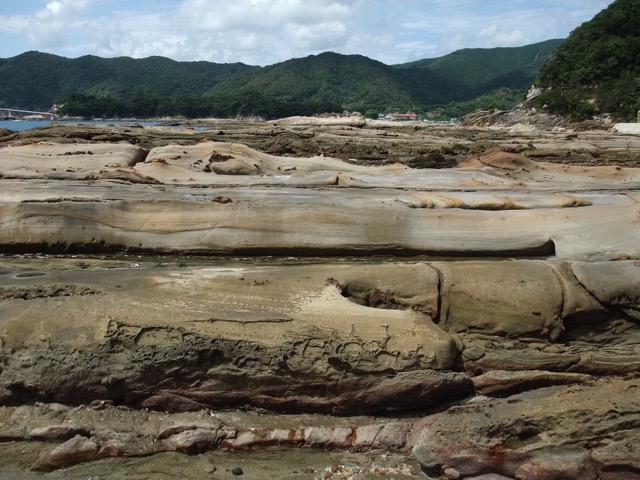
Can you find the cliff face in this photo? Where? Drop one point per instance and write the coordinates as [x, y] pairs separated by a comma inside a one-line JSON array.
[[210, 297]]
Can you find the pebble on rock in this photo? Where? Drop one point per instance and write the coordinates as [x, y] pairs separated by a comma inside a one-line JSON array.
[[451, 473]]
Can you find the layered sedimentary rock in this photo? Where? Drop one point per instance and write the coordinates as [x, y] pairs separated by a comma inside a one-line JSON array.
[[522, 365], [553, 432], [576, 225], [341, 338], [343, 323], [189, 329]]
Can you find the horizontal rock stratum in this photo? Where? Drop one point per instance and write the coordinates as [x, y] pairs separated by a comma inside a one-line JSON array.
[[524, 207], [172, 338], [258, 288]]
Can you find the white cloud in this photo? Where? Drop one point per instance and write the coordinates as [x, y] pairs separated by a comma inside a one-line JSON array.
[[317, 37], [63, 8], [495, 37], [470, 24], [451, 43], [262, 32], [14, 24], [54, 7], [49, 26], [261, 15]]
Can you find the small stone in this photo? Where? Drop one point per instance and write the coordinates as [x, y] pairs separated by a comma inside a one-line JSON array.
[[237, 471], [334, 468], [473, 353], [451, 473], [76, 450], [554, 349]]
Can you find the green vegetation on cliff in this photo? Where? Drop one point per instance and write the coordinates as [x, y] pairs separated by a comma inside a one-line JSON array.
[[597, 69]]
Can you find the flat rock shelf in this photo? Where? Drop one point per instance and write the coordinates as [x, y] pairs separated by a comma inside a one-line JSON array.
[[317, 298]]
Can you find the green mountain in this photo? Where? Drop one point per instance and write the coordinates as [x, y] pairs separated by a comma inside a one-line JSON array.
[[597, 69], [353, 81], [34, 80], [359, 83], [488, 69], [124, 86]]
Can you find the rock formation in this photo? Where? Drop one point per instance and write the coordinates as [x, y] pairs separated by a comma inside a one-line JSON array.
[[160, 296]]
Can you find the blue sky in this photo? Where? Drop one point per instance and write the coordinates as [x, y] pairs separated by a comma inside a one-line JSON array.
[[263, 32]]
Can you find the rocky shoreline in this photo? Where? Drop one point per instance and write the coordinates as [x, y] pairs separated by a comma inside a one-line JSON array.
[[370, 300]]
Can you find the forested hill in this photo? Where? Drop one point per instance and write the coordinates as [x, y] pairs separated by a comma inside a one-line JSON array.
[[353, 81], [597, 69], [484, 69], [329, 81], [35, 80]]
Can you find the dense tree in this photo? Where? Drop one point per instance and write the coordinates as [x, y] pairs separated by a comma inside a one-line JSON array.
[[156, 86], [598, 67], [501, 99]]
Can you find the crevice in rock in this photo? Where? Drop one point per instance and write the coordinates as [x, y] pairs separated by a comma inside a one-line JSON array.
[[610, 311], [140, 157], [439, 317], [372, 298]]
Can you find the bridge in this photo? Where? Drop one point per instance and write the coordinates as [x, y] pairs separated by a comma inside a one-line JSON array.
[[29, 112]]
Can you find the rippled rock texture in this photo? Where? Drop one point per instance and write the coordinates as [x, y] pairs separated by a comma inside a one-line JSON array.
[[205, 272]]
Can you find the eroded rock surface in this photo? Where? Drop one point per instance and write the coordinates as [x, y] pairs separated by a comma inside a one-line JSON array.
[[554, 432], [517, 357], [167, 327], [517, 203]]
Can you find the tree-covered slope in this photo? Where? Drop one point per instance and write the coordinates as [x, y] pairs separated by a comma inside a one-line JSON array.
[[35, 80], [151, 86], [353, 81], [484, 68], [597, 69]]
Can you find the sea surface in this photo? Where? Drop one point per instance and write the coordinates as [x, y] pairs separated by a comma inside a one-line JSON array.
[[21, 125]]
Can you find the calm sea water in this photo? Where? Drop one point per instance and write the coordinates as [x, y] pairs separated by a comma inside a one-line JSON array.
[[20, 125]]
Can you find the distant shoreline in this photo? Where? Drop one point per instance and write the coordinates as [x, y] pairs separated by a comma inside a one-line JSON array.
[[22, 125]]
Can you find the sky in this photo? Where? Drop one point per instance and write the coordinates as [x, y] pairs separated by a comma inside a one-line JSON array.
[[264, 32]]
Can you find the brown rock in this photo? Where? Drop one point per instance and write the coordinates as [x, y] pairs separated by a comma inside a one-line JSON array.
[[192, 441], [523, 431], [559, 465], [504, 383], [393, 435], [123, 444], [489, 476], [76, 450], [57, 432], [451, 473], [282, 337], [521, 297], [615, 285], [365, 436]]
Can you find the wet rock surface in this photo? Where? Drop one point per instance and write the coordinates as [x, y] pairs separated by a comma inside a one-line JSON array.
[[376, 301]]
